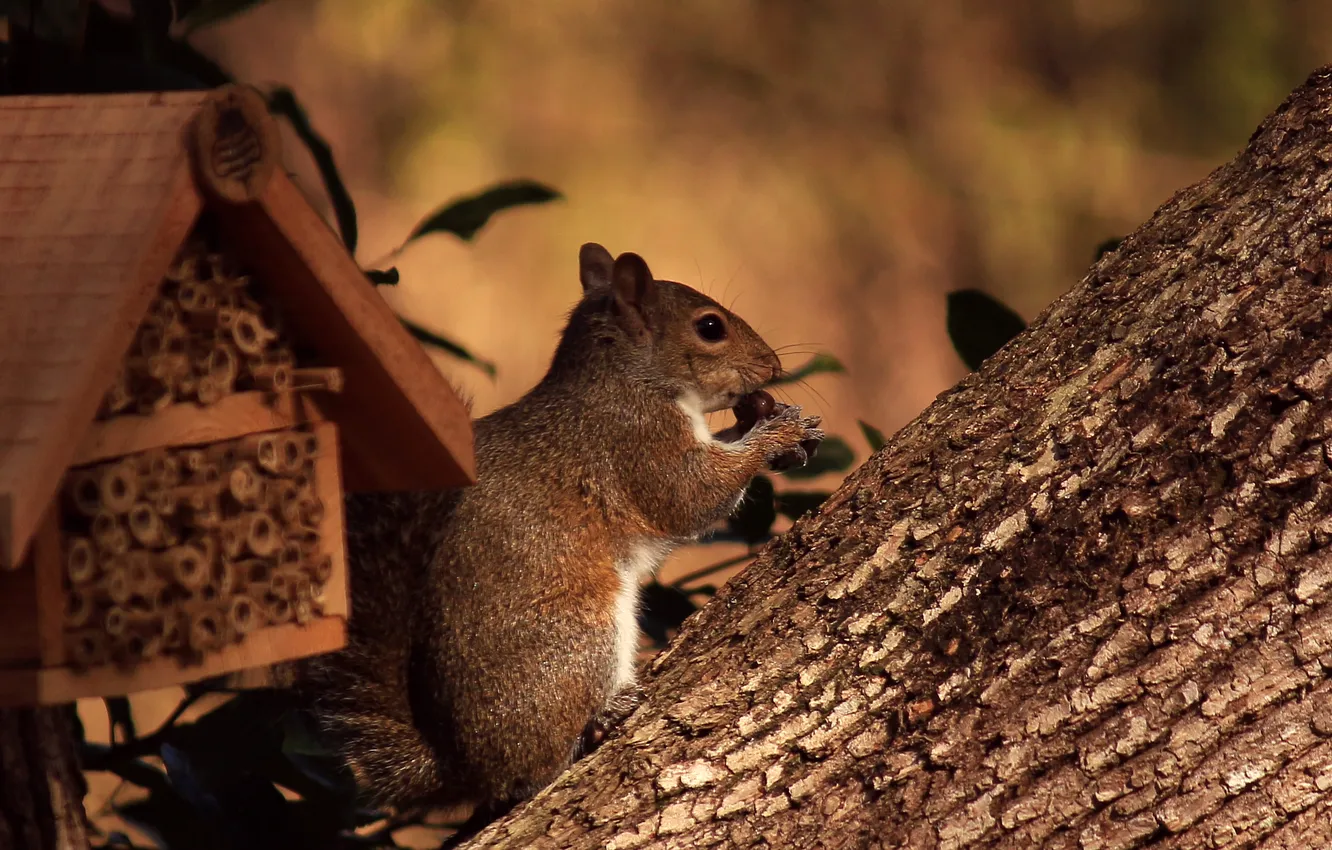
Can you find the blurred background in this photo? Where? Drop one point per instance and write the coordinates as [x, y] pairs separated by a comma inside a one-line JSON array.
[[830, 170]]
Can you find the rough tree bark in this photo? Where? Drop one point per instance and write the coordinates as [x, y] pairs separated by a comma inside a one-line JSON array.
[[1083, 601], [41, 786]]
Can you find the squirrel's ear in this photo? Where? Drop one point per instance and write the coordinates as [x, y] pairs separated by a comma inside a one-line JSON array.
[[594, 266], [632, 282]]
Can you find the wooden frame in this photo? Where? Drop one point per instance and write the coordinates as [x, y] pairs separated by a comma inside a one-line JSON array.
[[103, 244], [35, 631]]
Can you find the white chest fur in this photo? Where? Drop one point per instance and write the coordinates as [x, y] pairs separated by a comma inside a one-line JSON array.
[[642, 561]]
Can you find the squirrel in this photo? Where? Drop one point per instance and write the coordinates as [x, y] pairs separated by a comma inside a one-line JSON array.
[[494, 632]]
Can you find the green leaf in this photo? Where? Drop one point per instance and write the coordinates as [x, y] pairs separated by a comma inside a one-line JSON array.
[[816, 365], [386, 277], [979, 325], [793, 504], [873, 435], [212, 12], [1107, 246], [833, 455], [282, 102], [464, 217], [757, 512], [430, 338]]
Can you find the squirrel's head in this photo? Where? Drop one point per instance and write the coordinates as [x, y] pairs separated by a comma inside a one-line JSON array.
[[670, 334]]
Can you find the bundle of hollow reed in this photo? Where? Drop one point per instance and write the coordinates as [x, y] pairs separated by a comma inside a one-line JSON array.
[[179, 551], [210, 332]]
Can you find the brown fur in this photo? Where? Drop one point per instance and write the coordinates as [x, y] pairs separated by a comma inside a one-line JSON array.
[[483, 629]]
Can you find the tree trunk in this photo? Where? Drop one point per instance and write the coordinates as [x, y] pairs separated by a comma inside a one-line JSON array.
[[1082, 601], [41, 787]]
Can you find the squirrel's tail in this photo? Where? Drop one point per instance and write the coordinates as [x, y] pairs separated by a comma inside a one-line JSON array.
[[359, 697], [390, 761]]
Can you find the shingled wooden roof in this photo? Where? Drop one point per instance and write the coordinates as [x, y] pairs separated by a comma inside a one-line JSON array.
[[97, 194]]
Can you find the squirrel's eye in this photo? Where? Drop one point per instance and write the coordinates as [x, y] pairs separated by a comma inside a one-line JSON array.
[[710, 327]]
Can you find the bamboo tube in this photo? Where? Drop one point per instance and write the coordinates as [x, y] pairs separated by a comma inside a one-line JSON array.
[[223, 364], [79, 609], [208, 390], [146, 526], [254, 571], [291, 452], [303, 609], [154, 401], [245, 485], [109, 535], [80, 561], [271, 377], [159, 467], [195, 299], [257, 531], [86, 648], [327, 379], [184, 267], [119, 486], [209, 477], [165, 503], [289, 582], [161, 599], [140, 569], [311, 512], [226, 321], [278, 610], [225, 579], [243, 615], [199, 505], [305, 539], [141, 647], [120, 621], [165, 313], [85, 491], [231, 540], [206, 628], [151, 341], [193, 460], [115, 583], [321, 569], [176, 338], [261, 448], [174, 630], [186, 566], [168, 366], [284, 500], [291, 554], [223, 454], [249, 333]]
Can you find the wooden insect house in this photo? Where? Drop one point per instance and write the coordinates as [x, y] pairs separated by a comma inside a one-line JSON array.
[[193, 373]]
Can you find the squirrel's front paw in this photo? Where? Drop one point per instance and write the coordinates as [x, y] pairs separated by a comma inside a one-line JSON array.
[[798, 437]]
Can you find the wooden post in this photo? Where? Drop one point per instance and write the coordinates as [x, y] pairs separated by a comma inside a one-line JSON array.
[[41, 785]]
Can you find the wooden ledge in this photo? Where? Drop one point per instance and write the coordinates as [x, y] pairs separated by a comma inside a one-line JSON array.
[[190, 424], [261, 648]]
